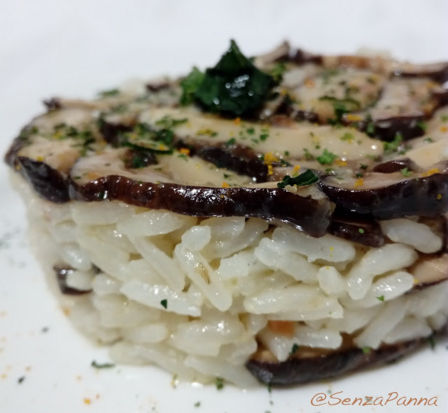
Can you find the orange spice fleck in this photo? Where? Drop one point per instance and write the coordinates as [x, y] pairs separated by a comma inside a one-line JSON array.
[[270, 170], [352, 117], [87, 401], [340, 162], [66, 311], [359, 182], [269, 158], [431, 171], [237, 121], [296, 169], [184, 151], [309, 83], [444, 129], [225, 185], [92, 176], [284, 328]]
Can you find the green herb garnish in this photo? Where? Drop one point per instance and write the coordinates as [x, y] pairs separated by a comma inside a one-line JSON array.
[[361, 230], [347, 137], [107, 93], [366, 350], [143, 135], [294, 349], [306, 178], [101, 365], [219, 383], [277, 71], [327, 157], [82, 139], [341, 107], [428, 140], [234, 87], [168, 122], [422, 125], [405, 172], [231, 142], [190, 84], [370, 128], [197, 404], [138, 157], [431, 341], [164, 303], [380, 298], [393, 145], [308, 155]]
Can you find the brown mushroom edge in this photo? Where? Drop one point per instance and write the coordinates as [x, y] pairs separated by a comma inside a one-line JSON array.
[[325, 365]]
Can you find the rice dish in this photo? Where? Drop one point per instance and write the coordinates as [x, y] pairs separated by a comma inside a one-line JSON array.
[[281, 218]]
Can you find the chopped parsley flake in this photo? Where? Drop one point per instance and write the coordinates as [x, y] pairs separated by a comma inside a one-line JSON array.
[[101, 365], [168, 122], [370, 128], [361, 230], [219, 383], [108, 93], [347, 137], [380, 298], [308, 155], [341, 107], [21, 379], [208, 132], [294, 349], [444, 118], [431, 341], [197, 404], [393, 145], [144, 136], [422, 125], [277, 71], [366, 350], [405, 172], [264, 134], [164, 303], [231, 142], [428, 140], [327, 157], [306, 178]]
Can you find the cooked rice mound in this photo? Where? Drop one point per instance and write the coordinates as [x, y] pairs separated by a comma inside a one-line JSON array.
[[199, 296]]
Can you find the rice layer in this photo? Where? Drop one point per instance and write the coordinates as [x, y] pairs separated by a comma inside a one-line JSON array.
[[199, 296]]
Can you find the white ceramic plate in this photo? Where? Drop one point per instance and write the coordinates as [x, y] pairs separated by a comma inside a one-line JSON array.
[[76, 48]]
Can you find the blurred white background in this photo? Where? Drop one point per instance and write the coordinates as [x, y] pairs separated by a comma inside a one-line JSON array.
[[77, 47]]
